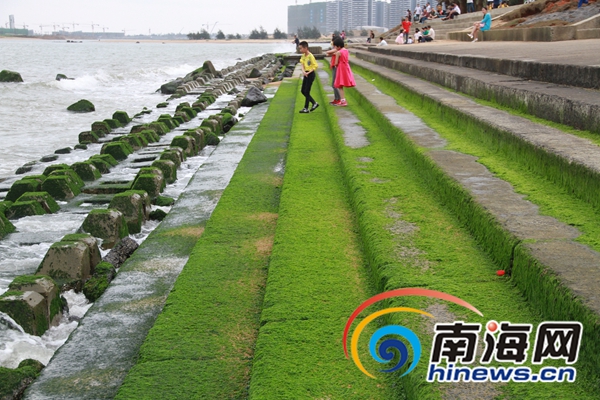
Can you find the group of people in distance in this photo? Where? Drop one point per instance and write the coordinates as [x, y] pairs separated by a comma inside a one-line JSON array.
[[426, 33], [341, 74]]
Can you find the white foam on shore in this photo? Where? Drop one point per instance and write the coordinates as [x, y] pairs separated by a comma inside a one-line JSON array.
[[16, 345]]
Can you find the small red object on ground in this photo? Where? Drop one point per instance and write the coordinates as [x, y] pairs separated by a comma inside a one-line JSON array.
[[500, 272]]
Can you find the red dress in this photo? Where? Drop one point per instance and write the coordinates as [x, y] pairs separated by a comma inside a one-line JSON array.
[[343, 76]]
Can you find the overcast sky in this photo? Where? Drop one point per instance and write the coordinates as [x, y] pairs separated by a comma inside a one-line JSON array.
[[138, 16]]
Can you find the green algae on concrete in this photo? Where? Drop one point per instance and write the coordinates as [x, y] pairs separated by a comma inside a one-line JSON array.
[[101, 128], [29, 309], [21, 187], [6, 226], [10, 76], [46, 201], [106, 224], [13, 382], [86, 170], [61, 187], [119, 150], [82, 106], [88, 137], [226, 274], [168, 168], [98, 283], [187, 143], [316, 277], [135, 207], [113, 123], [122, 117], [25, 208], [150, 180], [45, 286], [75, 179]]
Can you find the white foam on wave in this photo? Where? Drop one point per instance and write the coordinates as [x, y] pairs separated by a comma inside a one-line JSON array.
[[16, 345]]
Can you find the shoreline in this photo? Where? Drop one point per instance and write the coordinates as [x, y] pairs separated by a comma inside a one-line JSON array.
[[212, 41]]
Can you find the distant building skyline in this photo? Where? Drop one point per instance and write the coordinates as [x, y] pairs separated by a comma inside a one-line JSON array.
[[338, 15]]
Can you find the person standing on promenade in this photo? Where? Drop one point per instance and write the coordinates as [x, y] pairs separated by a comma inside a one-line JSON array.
[[470, 6], [309, 65], [418, 12], [344, 77], [333, 65], [296, 41], [484, 25], [406, 26]]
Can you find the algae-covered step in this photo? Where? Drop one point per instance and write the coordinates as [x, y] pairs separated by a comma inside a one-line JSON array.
[[414, 237]]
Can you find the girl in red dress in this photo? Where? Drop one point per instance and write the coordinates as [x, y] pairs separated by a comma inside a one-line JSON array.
[[343, 77]]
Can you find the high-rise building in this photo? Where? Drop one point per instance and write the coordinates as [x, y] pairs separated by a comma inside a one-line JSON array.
[[382, 14], [338, 15], [11, 21], [334, 16], [308, 15]]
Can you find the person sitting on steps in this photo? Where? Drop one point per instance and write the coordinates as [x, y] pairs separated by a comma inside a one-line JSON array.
[[484, 25]]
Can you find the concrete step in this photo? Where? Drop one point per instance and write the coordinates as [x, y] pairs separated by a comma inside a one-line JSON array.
[[558, 72], [567, 105], [578, 154], [586, 29]]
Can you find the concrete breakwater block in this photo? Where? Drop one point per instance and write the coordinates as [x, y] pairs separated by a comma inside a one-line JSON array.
[[61, 187], [119, 150], [187, 144], [86, 170], [108, 225], [135, 206], [168, 168], [45, 286], [6, 226], [21, 187], [151, 180], [28, 309], [32, 203], [71, 259]]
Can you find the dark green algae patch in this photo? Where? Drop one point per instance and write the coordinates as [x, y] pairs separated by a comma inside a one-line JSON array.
[[317, 276], [217, 298]]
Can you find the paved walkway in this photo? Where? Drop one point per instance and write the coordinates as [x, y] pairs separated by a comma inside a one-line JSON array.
[[571, 52]]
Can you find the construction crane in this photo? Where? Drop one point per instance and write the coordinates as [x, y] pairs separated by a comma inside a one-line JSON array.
[[42, 28], [104, 28], [93, 25], [74, 24]]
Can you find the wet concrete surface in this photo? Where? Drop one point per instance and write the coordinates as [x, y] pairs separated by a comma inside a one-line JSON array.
[[100, 352]]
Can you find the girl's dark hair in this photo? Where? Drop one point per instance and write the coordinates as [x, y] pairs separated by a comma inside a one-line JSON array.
[[338, 42]]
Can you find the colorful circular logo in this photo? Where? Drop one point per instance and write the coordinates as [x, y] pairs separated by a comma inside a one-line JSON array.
[[383, 353]]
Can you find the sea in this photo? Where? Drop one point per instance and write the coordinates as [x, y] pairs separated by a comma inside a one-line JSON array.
[[34, 122]]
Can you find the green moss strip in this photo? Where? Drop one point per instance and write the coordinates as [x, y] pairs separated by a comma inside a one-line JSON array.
[[316, 278], [202, 343]]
